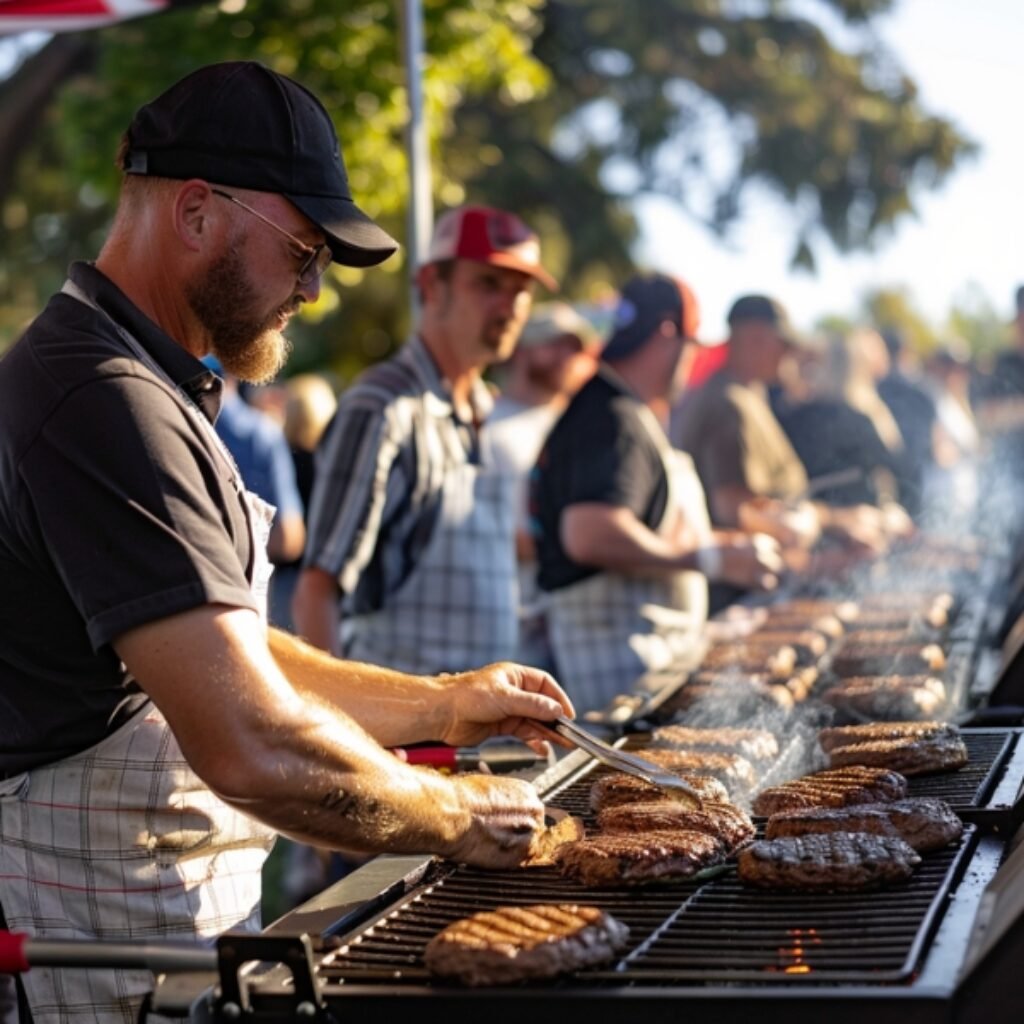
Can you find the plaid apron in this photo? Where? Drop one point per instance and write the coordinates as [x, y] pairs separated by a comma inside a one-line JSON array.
[[458, 607], [124, 841], [609, 629]]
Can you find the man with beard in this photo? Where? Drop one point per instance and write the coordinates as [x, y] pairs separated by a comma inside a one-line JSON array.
[[410, 559], [154, 735], [623, 539]]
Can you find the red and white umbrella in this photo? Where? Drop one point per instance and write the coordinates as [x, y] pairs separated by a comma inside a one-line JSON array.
[[72, 15]]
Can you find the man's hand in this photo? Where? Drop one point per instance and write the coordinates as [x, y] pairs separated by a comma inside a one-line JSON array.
[[792, 524], [749, 560], [502, 700], [504, 815], [861, 527]]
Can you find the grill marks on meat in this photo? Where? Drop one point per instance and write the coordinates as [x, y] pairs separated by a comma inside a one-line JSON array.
[[836, 787], [725, 821], [778, 660], [753, 744], [907, 755], [512, 944], [923, 823], [844, 735], [617, 788], [638, 859], [888, 697], [838, 861], [734, 772]]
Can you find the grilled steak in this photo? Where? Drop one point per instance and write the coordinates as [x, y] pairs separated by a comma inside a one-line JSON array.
[[855, 658], [724, 697], [827, 625], [810, 607], [640, 858], [921, 622], [753, 744], [510, 944], [618, 788], [777, 660], [914, 600], [888, 697], [723, 820], [840, 861], [809, 644], [734, 772], [844, 735], [924, 823], [546, 843], [906, 755], [835, 787]]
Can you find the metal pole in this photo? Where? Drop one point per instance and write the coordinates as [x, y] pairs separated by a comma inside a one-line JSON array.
[[420, 217]]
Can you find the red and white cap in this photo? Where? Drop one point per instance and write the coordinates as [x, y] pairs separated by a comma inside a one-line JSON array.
[[488, 235]]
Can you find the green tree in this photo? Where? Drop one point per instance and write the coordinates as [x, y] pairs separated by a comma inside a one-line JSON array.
[[893, 309]]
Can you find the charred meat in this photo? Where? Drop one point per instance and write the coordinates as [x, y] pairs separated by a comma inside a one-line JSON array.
[[835, 787], [907, 755], [512, 944], [856, 658], [618, 788], [753, 744], [837, 861], [844, 735], [724, 821], [734, 772]]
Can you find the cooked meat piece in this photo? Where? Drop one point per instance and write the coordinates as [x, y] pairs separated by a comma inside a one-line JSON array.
[[545, 843], [827, 625], [913, 600], [838, 861], [639, 858], [808, 644], [811, 607], [777, 660], [734, 772], [844, 735], [922, 622], [498, 947], [888, 697], [618, 788], [863, 659], [834, 787], [723, 820], [924, 823], [753, 744], [907, 755]]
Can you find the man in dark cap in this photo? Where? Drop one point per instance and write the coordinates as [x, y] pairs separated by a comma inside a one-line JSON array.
[[153, 734], [623, 540]]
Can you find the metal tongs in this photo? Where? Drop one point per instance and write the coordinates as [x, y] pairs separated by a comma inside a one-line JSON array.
[[619, 759]]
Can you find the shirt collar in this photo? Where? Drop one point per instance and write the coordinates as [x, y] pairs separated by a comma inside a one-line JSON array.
[[429, 377], [202, 386]]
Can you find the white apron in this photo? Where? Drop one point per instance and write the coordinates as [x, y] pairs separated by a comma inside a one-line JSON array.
[[124, 841], [457, 609], [609, 629]]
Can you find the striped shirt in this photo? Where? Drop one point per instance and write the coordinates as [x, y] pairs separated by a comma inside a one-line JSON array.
[[379, 473]]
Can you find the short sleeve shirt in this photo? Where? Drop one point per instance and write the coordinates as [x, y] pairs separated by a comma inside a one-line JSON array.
[[735, 440], [599, 451], [117, 508]]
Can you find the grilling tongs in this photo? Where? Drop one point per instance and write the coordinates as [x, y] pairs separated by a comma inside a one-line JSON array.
[[620, 760]]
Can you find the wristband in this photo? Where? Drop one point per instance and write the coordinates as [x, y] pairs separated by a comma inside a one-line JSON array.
[[710, 562]]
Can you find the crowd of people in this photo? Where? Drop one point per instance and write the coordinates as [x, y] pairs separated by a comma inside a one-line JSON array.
[[518, 496]]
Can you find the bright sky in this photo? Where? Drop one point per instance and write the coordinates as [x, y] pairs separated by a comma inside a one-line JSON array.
[[967, 57]]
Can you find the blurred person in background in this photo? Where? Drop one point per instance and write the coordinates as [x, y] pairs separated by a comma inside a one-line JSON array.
[[624, 545], [832, 438], [913, 408], [411, 553], [556, 355]]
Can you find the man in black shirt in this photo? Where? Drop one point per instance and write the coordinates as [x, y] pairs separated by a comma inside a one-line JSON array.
[[623, 540], [153, 733]]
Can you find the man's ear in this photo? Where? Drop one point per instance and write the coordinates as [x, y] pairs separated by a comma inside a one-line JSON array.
[[193, 215]]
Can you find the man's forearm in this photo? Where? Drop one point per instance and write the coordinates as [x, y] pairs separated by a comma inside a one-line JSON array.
[[315, 609]]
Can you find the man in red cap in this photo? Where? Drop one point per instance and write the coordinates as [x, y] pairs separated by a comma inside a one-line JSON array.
[[411, 556], [623, 540]]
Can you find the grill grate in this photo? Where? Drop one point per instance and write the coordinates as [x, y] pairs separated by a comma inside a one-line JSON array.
[[711, 932]]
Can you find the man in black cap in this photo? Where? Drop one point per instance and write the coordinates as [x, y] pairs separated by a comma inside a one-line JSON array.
[[623, 540], [153, 734]]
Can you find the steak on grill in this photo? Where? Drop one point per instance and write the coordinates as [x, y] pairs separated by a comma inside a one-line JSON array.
[[923, 823], [510, 944], [734, 772], [753, 744], [907, 755], [888, 697], [834, 787], [828, 625], [777, 660], [844, 735], [810, 607], [640, 858], [618, 788], [723, 820], [809, 644], [842, 861]]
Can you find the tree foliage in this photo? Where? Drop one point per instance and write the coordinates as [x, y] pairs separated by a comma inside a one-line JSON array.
[[564, 110]]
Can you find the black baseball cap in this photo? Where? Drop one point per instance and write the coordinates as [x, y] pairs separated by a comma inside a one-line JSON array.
[[764, 309], [239, 123], [645, 302]]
